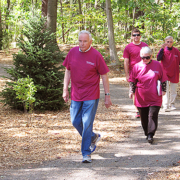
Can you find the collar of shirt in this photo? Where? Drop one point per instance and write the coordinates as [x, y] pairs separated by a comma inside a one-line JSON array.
[[137, 44], [168, 48], [86, 50]]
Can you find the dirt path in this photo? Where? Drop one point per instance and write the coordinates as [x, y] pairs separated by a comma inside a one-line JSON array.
[[129, 159], [2, 70]]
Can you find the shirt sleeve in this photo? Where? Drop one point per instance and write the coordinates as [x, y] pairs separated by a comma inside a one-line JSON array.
[[163, 76], [179, 56], [132, 87], [160, 54], [126, 53], [101, 65], [132, 77]]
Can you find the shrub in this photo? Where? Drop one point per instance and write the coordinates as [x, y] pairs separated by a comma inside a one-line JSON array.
[[40, 59], [25, 91]]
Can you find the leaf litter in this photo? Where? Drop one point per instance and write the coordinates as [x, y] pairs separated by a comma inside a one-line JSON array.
[[51, 135]]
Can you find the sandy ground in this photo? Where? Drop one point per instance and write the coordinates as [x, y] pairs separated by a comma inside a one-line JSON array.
[[130, 159]]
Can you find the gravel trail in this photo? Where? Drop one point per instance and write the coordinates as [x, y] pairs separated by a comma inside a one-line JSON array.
[[130, 159]]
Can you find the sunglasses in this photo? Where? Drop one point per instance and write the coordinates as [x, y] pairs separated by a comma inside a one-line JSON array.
[[169, 41], [146, 57], [136, 35]]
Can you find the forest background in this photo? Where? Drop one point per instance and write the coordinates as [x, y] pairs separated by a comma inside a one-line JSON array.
[[110, 22]]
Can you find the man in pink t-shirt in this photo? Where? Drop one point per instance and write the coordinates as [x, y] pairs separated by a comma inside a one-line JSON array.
[[84, 66], [132, 54], [170, 59]]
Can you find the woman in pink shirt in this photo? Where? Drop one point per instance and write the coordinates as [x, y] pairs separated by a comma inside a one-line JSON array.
[[143, 82]]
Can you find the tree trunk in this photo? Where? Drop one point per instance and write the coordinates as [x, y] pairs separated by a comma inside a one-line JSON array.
[[1, 32], [170, 7], [7, 12], [112, 47], [134, 13], [52, 16], [80, 12], [44, 7], [126, 26], [62, 25], [95, 4]]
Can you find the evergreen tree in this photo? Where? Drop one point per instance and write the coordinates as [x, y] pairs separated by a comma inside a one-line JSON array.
[[40, 59]]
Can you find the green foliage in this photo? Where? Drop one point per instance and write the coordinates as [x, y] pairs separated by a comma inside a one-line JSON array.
[[39, 59], [25, 91], [155, 19], [13, 16]]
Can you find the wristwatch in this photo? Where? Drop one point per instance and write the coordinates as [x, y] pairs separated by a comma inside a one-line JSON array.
[[107, 94]]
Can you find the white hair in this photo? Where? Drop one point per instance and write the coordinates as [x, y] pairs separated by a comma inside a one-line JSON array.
[[85, 32], [145, 50], [168, 37]]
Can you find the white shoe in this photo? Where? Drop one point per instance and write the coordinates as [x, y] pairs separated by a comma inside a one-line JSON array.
[[166, 109], [173, 107], [87, 159]]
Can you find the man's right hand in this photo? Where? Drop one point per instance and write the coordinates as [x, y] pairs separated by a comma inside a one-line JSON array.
[[65, 95]]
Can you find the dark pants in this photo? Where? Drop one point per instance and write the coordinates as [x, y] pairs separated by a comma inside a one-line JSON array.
[[149, 119]]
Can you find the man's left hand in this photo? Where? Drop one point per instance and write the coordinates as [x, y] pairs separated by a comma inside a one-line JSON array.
[[107, 101]]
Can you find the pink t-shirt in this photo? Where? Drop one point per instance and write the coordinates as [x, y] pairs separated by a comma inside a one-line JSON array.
[[146, 77], [132, 52], [170, 62], [85, 68]]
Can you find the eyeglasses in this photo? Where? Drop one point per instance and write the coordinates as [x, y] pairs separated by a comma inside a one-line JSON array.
[[169, 41], [136, 35], [146, 57]]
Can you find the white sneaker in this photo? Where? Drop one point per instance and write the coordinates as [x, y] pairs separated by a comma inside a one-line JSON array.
[[173, 107], [87, 159], [166, 110]]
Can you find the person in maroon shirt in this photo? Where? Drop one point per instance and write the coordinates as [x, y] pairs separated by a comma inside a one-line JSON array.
[[84, 66], [143, 82], [132, 55], [170, 59]]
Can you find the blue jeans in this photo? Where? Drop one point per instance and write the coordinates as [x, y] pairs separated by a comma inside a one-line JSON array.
[[82, 118]]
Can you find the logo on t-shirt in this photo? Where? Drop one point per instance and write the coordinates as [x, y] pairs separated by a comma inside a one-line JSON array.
[[90, 63], [176, 55]]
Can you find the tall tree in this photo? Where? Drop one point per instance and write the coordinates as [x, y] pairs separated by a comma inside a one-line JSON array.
[[1, 31], [80, 12], [52, 15], [7, 12], [62, 24], [112, 47], [44, 7]]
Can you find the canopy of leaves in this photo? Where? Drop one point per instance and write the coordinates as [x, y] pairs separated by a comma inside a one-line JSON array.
[[155, 18]]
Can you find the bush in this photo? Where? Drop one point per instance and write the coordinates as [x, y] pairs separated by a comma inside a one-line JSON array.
[[25, 91], [40, 59]]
